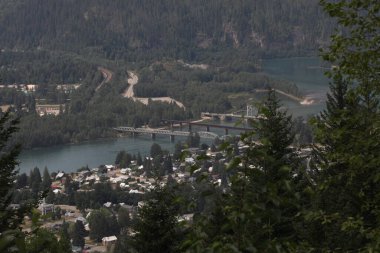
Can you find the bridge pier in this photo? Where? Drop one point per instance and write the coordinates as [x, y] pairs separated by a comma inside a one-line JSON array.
[[226, 131], [172, 138], [134, 134], [153, 135], [171, 126], [208, 128], [189, 127]]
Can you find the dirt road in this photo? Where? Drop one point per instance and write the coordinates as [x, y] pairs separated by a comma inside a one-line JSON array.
[[132, 80], [107, 75]]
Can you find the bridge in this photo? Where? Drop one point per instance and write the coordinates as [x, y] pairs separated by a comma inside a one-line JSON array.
[[208, 126], [224, 116], [153, 132]]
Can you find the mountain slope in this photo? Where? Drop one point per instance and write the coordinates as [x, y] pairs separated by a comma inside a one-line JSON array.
[[122, 28]]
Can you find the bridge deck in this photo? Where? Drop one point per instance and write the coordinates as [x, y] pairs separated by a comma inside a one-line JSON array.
[[231, 115], [208, 125], [206, 135]]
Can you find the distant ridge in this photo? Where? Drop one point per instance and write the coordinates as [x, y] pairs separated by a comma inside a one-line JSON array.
[[179, 29]]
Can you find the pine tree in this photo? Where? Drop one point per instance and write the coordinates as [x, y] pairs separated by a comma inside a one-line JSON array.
[[193, 140], [139, 159], [102, 223], [156, 227], [347, 157], [46, 182], [11, 239], [347, 135], [35, 181], [257, 212], [177, 150], [64, 241], [274, 131], [123, 218], [22, 181], [78, 234], [122, 245], [168, 165], [155, 150]]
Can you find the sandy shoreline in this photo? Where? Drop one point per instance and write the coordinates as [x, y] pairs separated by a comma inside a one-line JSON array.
[[302, 101]]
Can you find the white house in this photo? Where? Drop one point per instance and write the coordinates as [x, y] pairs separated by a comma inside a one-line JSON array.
[[109, 240]]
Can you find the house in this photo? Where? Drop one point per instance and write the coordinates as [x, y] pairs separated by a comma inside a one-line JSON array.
[[135, 191], [76, 249], [190, 160], [46, 208], [56, 191], [81, 219], [130, 208], [92, 177], [124, 185], [108, 204], [125, 170], [59, 175], [108, 241], [31, 87], [53, 109], [5, 108], [186, 217], [70, 214], [14, 206], [140, 204], [68, 88], [109, 167]]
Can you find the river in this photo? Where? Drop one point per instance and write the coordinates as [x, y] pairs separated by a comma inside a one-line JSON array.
[[305, 72], [308, 74]]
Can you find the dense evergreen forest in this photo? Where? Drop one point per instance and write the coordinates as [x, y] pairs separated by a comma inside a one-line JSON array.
[[42, 67], [181, 29]]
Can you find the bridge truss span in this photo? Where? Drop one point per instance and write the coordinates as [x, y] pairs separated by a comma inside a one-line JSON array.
[[153, 132]]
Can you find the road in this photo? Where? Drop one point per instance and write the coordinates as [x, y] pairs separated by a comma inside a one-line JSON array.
[[132, 80], [107, 75]]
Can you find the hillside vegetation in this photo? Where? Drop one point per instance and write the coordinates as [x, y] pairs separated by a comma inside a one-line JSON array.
[[182, 29]]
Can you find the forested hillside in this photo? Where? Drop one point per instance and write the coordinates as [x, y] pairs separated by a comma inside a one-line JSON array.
[[150, 28]]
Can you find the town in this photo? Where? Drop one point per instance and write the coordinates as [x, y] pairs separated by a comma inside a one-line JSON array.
[[116, 192]]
